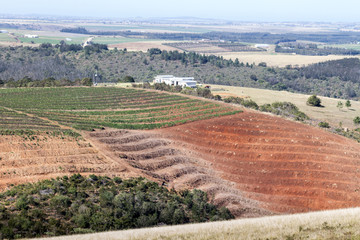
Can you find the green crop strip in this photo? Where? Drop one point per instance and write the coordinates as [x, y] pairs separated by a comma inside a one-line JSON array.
[[87, 108]]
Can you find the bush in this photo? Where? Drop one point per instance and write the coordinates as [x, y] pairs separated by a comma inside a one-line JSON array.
[[246, 103], [357, 120], [314, 101], [127, 79], [204, 92], [286, 109], [324, 125]]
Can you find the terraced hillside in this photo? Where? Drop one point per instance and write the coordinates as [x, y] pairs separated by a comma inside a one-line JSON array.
[[37, 138], [284, 165], [30, 158], [164, 160], [254, 164]]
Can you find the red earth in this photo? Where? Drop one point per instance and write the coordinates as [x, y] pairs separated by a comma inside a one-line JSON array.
[[253, 163], [285, 166]]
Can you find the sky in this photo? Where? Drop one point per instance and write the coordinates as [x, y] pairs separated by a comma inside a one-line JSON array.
[[236, 10]]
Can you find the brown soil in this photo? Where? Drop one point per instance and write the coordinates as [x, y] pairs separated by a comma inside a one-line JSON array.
[[167, 161], [24, 160], [255, 164], [283, 165]]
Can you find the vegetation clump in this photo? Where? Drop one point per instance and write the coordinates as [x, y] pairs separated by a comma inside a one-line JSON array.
[[242, 101], [314, 101], [356, 120], [286, 109], [80, 204], [324, 125]]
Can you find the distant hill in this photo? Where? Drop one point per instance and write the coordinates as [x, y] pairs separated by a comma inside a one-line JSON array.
[[338, 78]]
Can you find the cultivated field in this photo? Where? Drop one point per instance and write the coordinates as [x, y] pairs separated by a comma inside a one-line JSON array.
[[143, 46], [336, 224], [285, 166], [277, 59], [329, 113], [35, 156], [253, 163], [87, 108]]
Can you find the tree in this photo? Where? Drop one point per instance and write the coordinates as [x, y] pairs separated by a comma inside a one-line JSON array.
[[314, 101], [253, 77], [348, 104], [262, 64], [339, 105], [86, 82], [128, 79], [357, 120]]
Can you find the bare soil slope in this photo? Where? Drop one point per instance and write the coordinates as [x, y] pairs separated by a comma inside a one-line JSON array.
[[284, 165], [254, 164], [27, 160], [168, 162]]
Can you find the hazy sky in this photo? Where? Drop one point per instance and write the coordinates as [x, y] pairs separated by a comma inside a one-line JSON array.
[[249, 10]]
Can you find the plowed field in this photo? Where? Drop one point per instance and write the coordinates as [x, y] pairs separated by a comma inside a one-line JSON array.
[[283, 165], [30, 159]]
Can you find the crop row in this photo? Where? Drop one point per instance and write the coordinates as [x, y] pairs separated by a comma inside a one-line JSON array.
[[126, 115], [49, 100], [86, 108], [72, 119], [13, 120]]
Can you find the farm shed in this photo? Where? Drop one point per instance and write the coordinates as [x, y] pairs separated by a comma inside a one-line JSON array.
[[176, 81]]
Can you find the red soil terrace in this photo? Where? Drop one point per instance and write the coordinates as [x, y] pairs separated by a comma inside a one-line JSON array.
[[283, 165]]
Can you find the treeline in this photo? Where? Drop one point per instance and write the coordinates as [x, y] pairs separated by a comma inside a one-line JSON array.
[[79, 30], [194, 58], [337, 78], [313, 50], [78, 204], [255, 37], [347, 70], [48, 82]]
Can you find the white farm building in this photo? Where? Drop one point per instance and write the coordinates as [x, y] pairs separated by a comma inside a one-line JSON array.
[[176, 81], [31, 36]]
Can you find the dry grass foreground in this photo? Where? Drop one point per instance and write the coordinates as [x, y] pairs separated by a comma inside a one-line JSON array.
[[329, 113], [335, 224]]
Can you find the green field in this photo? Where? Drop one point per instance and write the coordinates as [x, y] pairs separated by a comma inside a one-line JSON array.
[[52, 40], [4, 37], [87, 108], [146, 27], [347, 46], [11, 120], [117, 40]]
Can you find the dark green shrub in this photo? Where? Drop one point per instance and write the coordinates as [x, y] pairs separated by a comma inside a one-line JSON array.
[[314, 101], [357, 120], [324, 125]]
